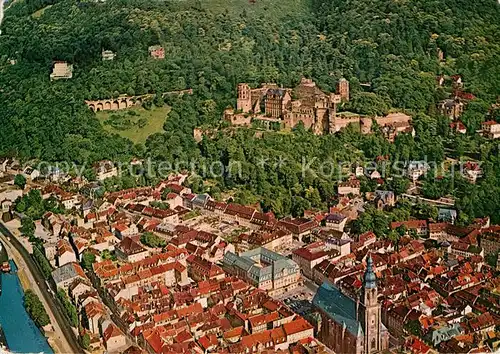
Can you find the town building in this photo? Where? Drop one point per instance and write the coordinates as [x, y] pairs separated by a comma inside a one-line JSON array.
[[67, 274], [419, 227], [452, 108], [351, 186], [309, 256], [114, 339], [61, 70], [490, 241], [105, 169], [264, 269], [336, 221], [416, 169], [108, 55], [156, 52], [384, 199], [299, 227], [130, 251], [491, 129], [65, 253]]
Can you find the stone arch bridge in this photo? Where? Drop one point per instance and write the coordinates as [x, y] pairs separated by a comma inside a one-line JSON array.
[[122, 102]]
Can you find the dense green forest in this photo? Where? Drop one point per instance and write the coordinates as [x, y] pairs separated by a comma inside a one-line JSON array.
[[211, 45]]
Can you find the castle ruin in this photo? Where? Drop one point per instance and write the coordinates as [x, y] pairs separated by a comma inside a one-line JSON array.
[[305, 103]]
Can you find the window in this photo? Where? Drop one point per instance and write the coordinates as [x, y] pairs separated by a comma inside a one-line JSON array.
[[373, 343]]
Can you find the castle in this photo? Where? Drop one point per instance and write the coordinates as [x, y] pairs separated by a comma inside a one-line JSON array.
[[348, 325], [273, 106], [305, 103]]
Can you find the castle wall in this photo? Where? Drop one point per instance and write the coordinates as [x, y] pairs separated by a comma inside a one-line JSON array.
[[392, 118]]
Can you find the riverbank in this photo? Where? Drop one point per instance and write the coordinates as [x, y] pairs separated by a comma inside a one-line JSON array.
[[21, 333], [57, 338]]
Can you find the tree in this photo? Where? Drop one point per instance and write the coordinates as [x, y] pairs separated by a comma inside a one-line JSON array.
[[414, 327], [370, 104], [151, 240], [42, 262], [398, 185], [106, 254], [27, 226], [401, 230], [20, 181], [68, 307], [35, 309], [88, 258]]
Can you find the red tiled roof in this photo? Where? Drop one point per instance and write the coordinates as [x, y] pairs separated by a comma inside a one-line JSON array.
[[111, 331], [297, 326], [207, 341], [410, 224]]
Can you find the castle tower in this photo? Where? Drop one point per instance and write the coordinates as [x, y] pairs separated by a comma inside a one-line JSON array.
[[343, 89], [370, 311], [244, 102]]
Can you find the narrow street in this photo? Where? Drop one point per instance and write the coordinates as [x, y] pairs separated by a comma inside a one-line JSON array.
[[65, 338]]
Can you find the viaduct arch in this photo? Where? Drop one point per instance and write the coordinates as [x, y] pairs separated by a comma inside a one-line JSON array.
[[122, 102]]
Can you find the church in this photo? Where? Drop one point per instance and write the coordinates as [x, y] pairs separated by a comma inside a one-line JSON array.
[[349, 325]]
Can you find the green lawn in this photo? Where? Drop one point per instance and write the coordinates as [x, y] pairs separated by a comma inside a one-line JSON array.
[[40, 12], [134, 123], [259, 8]]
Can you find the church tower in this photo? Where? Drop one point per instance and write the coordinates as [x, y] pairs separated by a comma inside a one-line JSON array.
[[370, 311]]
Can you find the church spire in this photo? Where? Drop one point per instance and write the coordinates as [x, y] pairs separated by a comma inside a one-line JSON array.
[[370, 279]]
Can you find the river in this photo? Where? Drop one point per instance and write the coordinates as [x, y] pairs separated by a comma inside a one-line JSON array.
[[22, 335]]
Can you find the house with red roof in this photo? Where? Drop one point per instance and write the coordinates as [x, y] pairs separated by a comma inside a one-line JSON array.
[[297, 330], [94, 311], [123, 230], [65, 253], [130, 251], [299, 227], [418, 226], [173, 199], [309, 256], [471, 171], [208, 342], [458, 127], [351, 186], [201, 269], [114, 339], [416, 346]]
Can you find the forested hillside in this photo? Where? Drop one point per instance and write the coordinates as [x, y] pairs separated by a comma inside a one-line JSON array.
[[209, 48], [211, 45]]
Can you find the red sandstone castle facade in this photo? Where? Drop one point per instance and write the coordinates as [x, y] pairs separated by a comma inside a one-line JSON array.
[[305, 103]]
